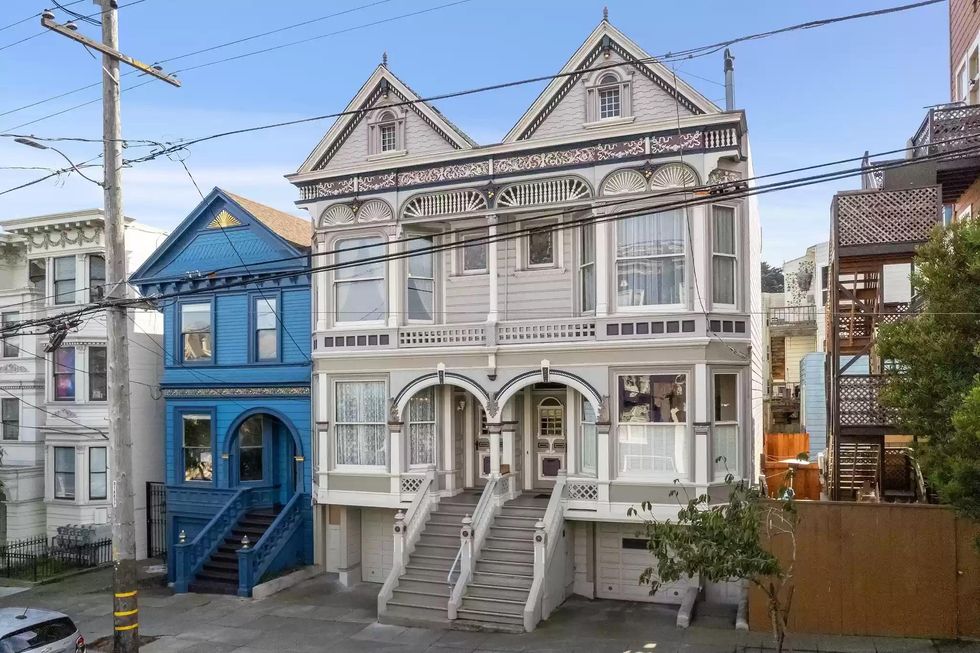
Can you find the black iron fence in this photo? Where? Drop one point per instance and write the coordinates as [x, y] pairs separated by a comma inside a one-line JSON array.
[[156, 520], [38, 557]]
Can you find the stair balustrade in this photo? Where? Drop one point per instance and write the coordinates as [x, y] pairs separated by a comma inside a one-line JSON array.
[[408, 527], [546, 538], [255, 560], [189, 557]]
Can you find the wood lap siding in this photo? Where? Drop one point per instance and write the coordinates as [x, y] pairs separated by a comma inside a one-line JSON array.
[[538, 294], [964, 23]]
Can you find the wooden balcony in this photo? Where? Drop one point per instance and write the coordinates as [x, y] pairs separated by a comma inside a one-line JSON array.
[[860, 409], [876, 222], [792, 320], [952, 134]]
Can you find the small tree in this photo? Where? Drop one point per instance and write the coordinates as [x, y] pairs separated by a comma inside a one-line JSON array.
[[727, 542], [772, 278]]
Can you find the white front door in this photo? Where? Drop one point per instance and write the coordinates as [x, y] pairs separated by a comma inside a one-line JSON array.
[[548, 413]]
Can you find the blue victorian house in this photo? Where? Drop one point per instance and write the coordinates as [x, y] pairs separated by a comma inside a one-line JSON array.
[[237, 389]]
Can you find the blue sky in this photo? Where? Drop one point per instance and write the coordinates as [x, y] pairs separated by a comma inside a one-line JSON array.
[[811, 96]]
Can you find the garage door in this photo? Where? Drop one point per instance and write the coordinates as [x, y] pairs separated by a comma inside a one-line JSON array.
[[622, 557], [377, 544]]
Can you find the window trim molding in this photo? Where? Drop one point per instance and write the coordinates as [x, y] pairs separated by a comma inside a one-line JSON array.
[[20, 412], [104, 472], [406, 275], [436, 429], [687, 255], [738, 466], [253, 320], [380, 118], [179, 332], [180, 412], [737, 256], [578, 244], [54, 280], [55, 472], [53, 366], [88, 373], [336, 466], [332, 279], [594, 85], [458, 254], [524, 245], [9, 340]]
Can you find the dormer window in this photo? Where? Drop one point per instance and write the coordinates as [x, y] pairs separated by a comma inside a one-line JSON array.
[[609, 101], [386, 133]]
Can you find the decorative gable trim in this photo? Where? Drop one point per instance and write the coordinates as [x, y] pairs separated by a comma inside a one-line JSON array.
[[223, 220]]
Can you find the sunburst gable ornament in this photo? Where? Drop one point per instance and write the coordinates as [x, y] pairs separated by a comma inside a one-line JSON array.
[[223, 220]]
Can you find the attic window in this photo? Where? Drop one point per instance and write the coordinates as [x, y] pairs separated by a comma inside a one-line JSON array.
[[608, 98], [386, 133]]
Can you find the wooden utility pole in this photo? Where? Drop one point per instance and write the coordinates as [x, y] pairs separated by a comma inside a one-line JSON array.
[[125, 609]]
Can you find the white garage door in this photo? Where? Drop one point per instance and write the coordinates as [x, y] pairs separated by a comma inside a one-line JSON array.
[[377, 544], [622, 557]]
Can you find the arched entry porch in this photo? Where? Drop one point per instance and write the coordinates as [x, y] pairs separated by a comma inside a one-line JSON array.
[[263, 449]]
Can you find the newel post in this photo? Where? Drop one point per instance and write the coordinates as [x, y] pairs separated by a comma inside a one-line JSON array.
[[180, 562], [540, 542], [399, 531]]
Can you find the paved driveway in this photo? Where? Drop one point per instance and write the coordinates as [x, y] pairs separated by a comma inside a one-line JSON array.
[[321, 615]]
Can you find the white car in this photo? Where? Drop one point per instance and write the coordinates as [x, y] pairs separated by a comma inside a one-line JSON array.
[[40, 631]]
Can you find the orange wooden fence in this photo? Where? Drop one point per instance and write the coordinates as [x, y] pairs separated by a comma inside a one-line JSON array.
[[780, 447]]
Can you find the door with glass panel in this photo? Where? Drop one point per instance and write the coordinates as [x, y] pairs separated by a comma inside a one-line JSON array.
[[265, 454], [548, 413]]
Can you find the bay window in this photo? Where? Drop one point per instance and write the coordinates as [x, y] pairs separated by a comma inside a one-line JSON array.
[[195, 332], [422, 428], [723, 255], [586, 268], [64, 472], [198, 457], [64, 374], [64, 280], [650, 259], [652, 428], [420, 282], [266, 329], [724, 427], [361, 423], [97, 485], [359, 290]]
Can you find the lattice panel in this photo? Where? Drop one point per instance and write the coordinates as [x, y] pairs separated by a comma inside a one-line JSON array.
[[411, 484], [550, 331], [858, 398], [546, 191], [435, 336], [446, 203], [578, 491], [879, 217], [949, 130]]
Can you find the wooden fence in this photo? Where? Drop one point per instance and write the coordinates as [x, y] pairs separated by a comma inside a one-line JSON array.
[[903, 570], [787, 446]]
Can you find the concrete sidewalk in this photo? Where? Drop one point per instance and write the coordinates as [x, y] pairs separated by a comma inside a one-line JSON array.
[[321, 615]]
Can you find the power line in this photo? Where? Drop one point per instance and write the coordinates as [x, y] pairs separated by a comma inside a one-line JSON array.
[[34, 36], [48, 412], [37, 15]]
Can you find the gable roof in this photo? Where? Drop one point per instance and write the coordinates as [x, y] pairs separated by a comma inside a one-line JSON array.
[[285, 225], [380, 81], [602, 37]]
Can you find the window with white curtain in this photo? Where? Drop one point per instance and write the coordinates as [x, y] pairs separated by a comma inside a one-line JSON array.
[[650, 259], [586, 267], [422, 428], [420, 282], [361, 423], [724, 428], [359, 290], [589, 448], [652, 426], [723, 255]]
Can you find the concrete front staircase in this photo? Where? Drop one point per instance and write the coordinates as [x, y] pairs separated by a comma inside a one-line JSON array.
[[496, 595], [422, 595]]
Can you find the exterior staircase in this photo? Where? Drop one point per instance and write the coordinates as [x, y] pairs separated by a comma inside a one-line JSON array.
[[422, 594], [497, 593], [219, 575]]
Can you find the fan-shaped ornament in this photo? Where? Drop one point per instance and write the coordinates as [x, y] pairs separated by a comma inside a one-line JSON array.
[[374, 211], [674, 175], [337, 214], [622, 182]]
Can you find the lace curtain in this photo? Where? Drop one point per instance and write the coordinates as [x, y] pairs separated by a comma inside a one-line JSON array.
[[650, 259], [361, 428], [422, 428]]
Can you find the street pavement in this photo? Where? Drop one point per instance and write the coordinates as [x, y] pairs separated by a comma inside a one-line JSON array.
[[321, 615]]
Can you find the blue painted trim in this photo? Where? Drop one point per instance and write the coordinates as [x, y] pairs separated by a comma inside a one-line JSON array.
[[178, 445], [179, 332], [253, 315]]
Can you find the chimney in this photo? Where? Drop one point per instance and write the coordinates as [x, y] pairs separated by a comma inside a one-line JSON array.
[[729, 81]]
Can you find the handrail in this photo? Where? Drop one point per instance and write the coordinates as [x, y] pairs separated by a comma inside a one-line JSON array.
[[254, 561], [472, 538], [189, 557], [544, 551], [489, 490], [407, 529]]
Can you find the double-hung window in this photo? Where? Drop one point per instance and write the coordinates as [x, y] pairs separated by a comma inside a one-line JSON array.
[[198, 458], [97, 374], [650, 259], [540, 246], [361, 423], [64, 280], [96, 277], [64, 374], [97, 485], [10, 410], [586, 267], [37, 274], [652, 429], [724, 427], [64, 472], [420, 284], [195, 332], [610, 104], [266, 328], [359, 290], [472, 255], [10, 343], [422, 428], [723, 267], [388, 134]]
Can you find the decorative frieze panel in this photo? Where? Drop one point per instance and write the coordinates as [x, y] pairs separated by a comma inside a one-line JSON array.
[[674, 175], [623, 182], [63, 236], [337, 214], [343, 214], [444, 173], [452, 202], [384, 181], [722, 176], [545, 191], [538, 160], [374, 211], [675, 143], [251, 391]]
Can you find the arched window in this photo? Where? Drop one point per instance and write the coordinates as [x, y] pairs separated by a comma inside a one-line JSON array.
[[250, 441], [387, 132], [609, 97], [551, 418], [610, 105]]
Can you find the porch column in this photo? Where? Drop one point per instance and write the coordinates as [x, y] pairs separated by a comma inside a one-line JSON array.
[[603, 460], [396, 268], [494, 431], [469, 442], [530, 451], [395, 455], [492, 314], [449, 440], [321, 284], [700, 248], [603, 263], [508, 434], [322, 425], [702, 427]]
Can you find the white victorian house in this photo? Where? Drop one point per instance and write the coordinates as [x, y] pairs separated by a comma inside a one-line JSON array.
[[538, 333], [55, 464]]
